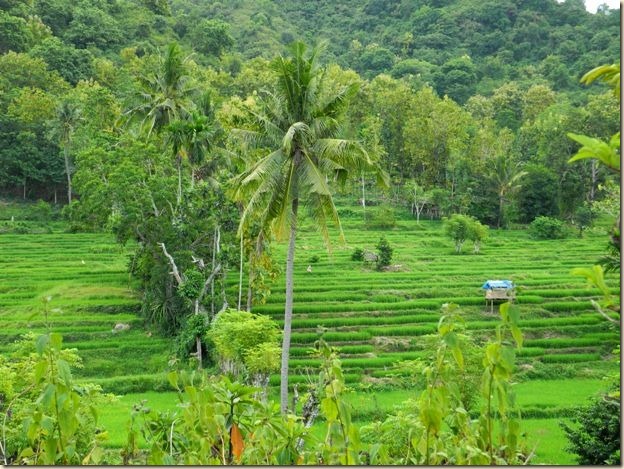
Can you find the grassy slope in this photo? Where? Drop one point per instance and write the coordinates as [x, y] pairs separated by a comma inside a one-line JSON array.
[[86, 277], [358, 305]]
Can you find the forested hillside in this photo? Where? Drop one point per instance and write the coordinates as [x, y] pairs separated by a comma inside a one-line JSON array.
[[507, 66]]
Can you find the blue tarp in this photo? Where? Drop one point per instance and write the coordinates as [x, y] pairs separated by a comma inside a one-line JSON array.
[[497, 284]]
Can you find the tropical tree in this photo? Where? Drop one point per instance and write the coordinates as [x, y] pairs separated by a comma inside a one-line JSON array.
[[68, 116], [164, 93], [417, 197], [506, 176], [190, 140], [298, 126]]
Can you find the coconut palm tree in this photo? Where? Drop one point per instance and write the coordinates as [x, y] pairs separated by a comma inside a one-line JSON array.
[[165, 94], [68, 116], [506, 175], [297, 126]]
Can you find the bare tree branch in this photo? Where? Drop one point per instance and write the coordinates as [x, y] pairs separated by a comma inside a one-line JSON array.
[[208, 280], [175, 271]]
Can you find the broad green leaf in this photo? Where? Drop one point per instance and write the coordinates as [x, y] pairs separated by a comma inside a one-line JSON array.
[[64, 372], [459, 357], [329, 409], [504, 311], [450, 339], [40, 369], [172, 377], [42, 343], [594, 148], [48, 394], [517, 335], [56, 340], [595, 277]]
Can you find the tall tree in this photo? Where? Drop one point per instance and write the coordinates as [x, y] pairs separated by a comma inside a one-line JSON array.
[[68, 116], [506, 176], [298, 126], [165, 93]]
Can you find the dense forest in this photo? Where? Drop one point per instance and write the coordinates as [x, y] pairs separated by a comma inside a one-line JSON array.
[[508, 72]]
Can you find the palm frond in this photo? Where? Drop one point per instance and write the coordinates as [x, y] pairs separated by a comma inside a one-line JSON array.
[[348, 154], [298, 128], [282, 213], [312, 176], [323, 211]]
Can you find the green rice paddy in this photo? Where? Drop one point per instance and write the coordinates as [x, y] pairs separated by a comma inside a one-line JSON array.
[[375, 318]]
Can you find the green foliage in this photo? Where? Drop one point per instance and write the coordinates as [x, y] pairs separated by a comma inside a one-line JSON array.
[[538, 195], [606, 153], [436, 428], [547, 228], [477, 233], [384, 253], [459, 229], [47, 418], [14, 32], [594, 435], [71, 63], [380, 218], [211, 37], [245, 342], [195, 326], [583, 218], [357, 254]]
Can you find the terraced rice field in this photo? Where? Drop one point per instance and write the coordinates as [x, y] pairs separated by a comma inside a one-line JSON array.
[[378, 318], [375, 318], [86, 278]]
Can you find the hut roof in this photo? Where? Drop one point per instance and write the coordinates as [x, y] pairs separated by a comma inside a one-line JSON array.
[[497, 284]]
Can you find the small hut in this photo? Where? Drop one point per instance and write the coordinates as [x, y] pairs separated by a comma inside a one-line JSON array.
[[498, 290]]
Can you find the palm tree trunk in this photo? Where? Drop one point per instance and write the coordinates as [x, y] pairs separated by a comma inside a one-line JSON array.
[[594, 180], [214, 263], [249, 280], [68, 172], [240, 275], [363, 194], [179, 180], [290, 266], [500, 210]]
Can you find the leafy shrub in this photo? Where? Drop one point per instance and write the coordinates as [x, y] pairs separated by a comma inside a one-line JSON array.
[[346, 213], [383, 217], [246, 342], [16, 227], [41, 211], [547, 228], [384, 253], [48, 418], [358, 254], [462, 227], [186, 341], [314, 259], [595, 438], [457, 227]]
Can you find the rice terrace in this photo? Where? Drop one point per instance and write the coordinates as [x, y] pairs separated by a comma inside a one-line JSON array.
[[365, 232]]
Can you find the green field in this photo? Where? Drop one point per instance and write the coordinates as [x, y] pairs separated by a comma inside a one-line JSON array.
[[375, 318]]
